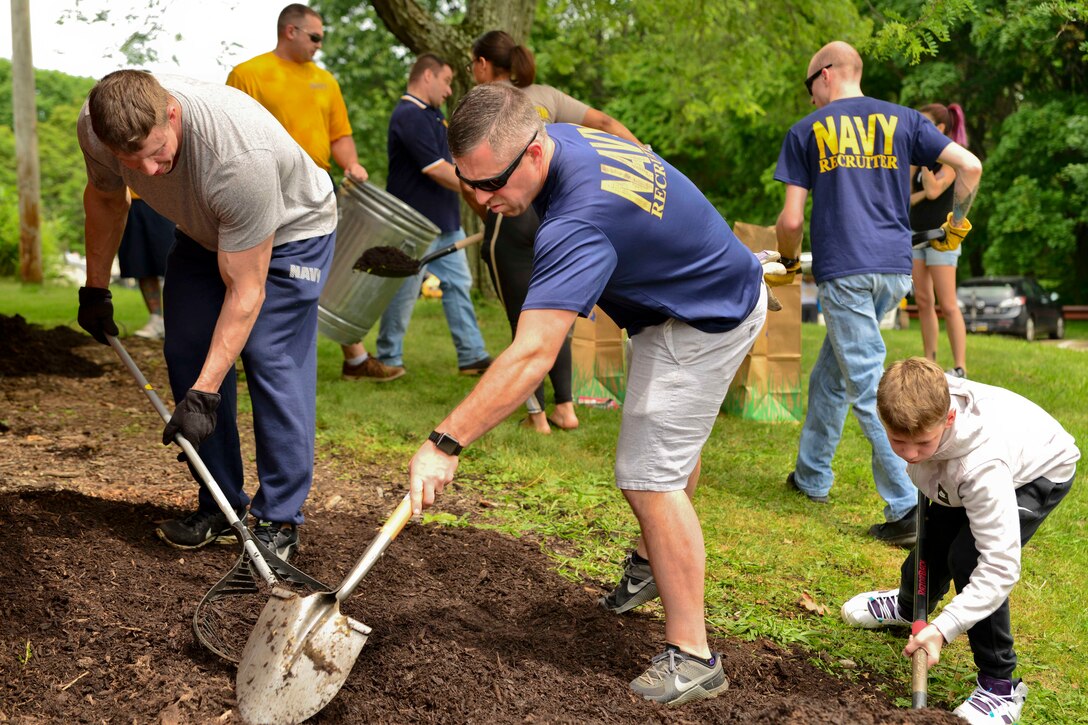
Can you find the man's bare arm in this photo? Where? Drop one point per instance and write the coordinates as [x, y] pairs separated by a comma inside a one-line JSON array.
[[790, 227], [245, 274], [105, 215], [968, 174]]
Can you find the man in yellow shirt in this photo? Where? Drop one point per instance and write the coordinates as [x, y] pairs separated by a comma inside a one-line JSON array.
[[306, 99]]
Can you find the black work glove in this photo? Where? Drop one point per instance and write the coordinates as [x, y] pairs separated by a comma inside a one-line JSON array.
[[96, 313], [194, 418]]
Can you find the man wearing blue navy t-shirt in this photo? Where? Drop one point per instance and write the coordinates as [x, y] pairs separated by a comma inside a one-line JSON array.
[[854, 153], [421, 175], [621, 228]]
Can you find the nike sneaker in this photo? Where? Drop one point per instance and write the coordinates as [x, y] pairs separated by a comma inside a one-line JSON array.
[[676, 677], [637, 586]]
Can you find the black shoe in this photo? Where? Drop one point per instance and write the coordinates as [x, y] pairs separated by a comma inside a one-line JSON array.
[[637, 586], [476, 368], [791, 481], [897, 533], [198, 529], [280, 539], [957, 372]]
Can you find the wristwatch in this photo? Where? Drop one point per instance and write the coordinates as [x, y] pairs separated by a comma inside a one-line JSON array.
[[445, 443]]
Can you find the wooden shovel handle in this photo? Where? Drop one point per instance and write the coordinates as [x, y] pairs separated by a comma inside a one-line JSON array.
[[393, 526], [919, 678]]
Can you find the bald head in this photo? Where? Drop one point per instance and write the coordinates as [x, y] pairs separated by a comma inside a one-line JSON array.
[[842, 56]]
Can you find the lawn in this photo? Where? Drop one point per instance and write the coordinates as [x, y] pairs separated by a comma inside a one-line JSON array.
[[767, 547]]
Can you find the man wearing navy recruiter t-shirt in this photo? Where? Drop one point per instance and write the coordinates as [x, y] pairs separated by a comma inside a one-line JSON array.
[[854, 154], [621, 228], [421, 175]]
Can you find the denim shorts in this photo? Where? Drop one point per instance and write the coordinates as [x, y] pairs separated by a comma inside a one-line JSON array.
[[934, 258]]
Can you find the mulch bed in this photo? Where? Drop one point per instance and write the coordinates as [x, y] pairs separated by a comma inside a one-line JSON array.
[[469, 625]]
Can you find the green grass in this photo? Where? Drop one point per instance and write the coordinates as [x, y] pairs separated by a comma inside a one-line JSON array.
[[766, 546]]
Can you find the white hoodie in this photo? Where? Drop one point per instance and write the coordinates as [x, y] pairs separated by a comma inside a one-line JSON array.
[[998, 442]]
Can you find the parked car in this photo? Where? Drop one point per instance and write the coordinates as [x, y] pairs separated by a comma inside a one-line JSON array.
[[1011, 306]]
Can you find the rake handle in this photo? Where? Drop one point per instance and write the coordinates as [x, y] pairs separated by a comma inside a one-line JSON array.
[[197, 464], [393, 526]]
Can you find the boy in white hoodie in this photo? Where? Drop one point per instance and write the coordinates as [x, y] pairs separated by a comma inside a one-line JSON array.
[[994, 465]]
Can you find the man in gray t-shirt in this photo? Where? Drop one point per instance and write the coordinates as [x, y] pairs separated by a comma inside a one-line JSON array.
[[256, 226]]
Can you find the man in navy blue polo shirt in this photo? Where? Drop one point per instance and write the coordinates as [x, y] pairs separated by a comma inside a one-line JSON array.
[[621, 228], [421, 174], [854, 153]]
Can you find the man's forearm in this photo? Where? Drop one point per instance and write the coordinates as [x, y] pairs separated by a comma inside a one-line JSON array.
[[105, 215], [236, 319]]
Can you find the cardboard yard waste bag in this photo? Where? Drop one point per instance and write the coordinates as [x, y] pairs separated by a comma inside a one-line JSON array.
[[597, 361], [767, 386]]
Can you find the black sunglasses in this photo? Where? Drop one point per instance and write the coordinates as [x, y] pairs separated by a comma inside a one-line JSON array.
[[812, 78], [497, 182], [314, 37]]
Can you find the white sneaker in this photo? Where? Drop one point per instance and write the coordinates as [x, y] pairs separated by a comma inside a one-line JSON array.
[[873, 610], [153, 330], [994, 702]]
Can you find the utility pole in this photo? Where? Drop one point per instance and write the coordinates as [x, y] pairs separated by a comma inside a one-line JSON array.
[[26, 143]]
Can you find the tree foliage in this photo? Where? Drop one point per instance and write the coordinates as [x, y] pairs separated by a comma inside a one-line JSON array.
[[59, 98], [714, 86]]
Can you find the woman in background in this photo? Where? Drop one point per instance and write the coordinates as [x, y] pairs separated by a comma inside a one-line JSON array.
[[508, 241], [934, 272]]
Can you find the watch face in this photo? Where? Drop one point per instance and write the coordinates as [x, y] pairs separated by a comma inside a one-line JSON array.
[[445, 443]]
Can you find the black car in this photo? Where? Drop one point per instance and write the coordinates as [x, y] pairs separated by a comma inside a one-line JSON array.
[[1011, 306]]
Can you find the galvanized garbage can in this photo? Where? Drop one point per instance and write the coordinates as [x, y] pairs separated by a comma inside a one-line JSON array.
[[367, 217]]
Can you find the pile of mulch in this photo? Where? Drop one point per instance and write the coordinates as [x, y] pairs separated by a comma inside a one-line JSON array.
[[30, 350], [469, 625]]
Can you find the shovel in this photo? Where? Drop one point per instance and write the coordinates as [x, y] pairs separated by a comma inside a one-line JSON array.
[[392, 262], [212, 620], [921, 240], [919, 680], [302, 648]]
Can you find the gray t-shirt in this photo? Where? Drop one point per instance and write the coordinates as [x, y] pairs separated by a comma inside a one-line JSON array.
[[239, 176], [553, 105]]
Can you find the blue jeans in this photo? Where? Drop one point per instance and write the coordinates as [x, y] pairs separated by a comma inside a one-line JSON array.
[[847, 371], [456, 285]]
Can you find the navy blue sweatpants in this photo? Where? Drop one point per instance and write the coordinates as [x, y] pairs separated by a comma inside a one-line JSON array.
[[280, 362]]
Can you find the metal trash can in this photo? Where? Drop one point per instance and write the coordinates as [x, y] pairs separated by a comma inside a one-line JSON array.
[[367, 217]]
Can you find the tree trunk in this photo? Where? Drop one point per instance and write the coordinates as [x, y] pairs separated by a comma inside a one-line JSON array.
[[421, 32]]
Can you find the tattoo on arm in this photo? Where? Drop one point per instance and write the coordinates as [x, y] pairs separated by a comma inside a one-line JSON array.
[[961, 205]]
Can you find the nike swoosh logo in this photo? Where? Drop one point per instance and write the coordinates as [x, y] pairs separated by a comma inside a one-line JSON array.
[[684, 686], [633, 588]]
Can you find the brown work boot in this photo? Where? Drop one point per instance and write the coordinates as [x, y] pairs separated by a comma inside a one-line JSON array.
[[477, 368], [371, 369]]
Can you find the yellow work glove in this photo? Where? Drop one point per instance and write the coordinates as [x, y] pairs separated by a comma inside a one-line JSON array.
[[782, 272], [952, 235]]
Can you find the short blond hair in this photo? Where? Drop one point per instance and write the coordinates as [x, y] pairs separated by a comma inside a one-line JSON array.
[[913, 396], [125, 106]]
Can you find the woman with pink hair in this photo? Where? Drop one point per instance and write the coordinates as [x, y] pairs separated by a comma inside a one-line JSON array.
[[934, 272]]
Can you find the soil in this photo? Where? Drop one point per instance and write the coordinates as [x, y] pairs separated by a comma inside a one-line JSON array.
[[468, 625], [386, 262]]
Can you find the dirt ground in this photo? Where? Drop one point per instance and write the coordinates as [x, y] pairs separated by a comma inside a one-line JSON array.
[[469, 626]]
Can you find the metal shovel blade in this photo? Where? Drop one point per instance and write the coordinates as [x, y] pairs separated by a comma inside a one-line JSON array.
[[302, 649], [298, 656]]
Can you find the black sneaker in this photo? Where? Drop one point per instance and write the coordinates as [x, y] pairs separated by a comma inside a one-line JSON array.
[[476, 368], [637, 586], [676, 677], [280, 539], [897, 533], [791, 481], [957, 372], [198, 529]]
